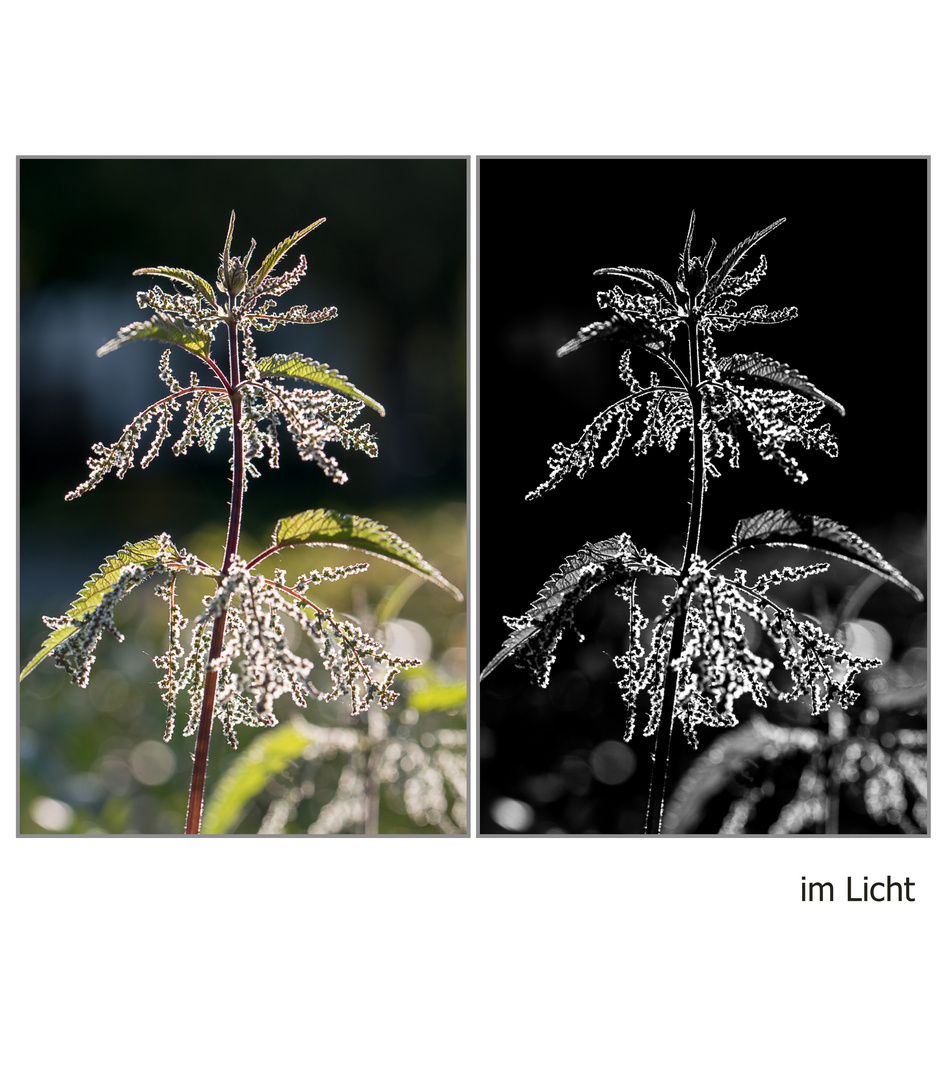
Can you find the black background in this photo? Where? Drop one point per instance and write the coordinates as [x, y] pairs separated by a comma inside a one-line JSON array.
[[852, 256], [392, 256]]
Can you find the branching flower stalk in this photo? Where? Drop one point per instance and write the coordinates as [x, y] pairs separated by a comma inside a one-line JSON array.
[[240, 660], [690, 665]]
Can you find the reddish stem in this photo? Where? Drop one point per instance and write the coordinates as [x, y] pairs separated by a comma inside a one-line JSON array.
[[204, 727]]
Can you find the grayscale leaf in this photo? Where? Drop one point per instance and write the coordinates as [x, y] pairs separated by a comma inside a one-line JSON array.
[[648, 277], [536, 634], [785, 528], [756, 368], [717, 281], [624, 328]]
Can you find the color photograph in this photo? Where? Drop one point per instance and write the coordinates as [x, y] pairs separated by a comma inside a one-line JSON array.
[[242, 517]]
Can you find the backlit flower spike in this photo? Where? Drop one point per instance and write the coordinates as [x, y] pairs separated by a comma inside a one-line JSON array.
[[717, 282]]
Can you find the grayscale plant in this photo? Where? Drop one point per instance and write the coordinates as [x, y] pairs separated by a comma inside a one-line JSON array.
[[258, 637], [719, 635]]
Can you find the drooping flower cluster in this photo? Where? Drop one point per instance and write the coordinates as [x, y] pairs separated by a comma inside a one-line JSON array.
[[772, 403], [75, 635], [313, 417], [426, 772], [254, 653], [77, 652], [718, 663], [700, 656], [260, 661]]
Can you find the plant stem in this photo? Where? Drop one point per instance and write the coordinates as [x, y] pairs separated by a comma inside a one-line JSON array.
[[202, 748], [656, 798]]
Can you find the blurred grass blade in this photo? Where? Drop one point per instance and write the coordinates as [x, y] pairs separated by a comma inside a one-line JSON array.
[[267, 756], [439, 697]]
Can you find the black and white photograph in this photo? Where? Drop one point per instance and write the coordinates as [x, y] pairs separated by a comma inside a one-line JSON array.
[[703, 496]]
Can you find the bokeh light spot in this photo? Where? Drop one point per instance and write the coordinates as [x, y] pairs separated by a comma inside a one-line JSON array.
[[613, 762], [51, 814], [152, 762], [512, 814]]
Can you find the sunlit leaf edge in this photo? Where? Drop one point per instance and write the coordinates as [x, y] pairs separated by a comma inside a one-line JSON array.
[[786, 528], [151, 554], [297, 366], [331, 528]]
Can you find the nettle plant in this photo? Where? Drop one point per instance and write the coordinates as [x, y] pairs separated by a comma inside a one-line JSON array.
[[719, 635], [240, 656]]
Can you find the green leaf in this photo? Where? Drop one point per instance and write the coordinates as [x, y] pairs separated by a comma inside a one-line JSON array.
[[758, 368], [225, 257], [784, 528], [151, 554], [276, 254], [333, 529], [297, 366], [162, 327], [269, 755], [188, 277]]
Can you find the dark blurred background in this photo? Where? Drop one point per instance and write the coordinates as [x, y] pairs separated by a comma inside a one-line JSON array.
[[392, 257], [852, 256]]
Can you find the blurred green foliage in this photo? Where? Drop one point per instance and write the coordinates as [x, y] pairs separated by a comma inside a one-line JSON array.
[[92, 761], [552, 760]]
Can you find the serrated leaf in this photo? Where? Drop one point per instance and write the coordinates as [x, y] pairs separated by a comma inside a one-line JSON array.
[[150, 554], [540, 629], [333, 529], [648, 277], [188, 277], [162, 327], [267, 756], [735, 256], [297, 366], [225, 258], [758, 368], [785, 528], [276, 254], [624, 329]]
